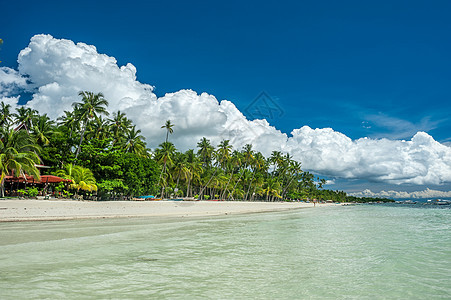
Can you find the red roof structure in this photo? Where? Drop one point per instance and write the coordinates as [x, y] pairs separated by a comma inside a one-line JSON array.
[[31, 179]]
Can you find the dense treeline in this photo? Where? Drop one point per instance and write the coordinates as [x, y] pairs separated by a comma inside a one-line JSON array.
[[107, 155]]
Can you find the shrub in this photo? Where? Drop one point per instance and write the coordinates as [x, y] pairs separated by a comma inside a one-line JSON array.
[[33, 192]]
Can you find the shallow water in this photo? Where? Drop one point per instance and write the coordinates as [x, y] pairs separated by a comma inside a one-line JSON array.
[[356, 252]]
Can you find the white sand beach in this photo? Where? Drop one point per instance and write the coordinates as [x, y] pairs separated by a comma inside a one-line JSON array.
[[39, 210]]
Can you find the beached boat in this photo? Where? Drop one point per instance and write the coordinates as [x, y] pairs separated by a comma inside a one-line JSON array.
[[146, 198]]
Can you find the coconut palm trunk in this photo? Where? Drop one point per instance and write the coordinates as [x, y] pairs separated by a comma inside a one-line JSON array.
[[287, 186], [211, 178], [81, 140], [250, 185], [161, 175], [234, 187]]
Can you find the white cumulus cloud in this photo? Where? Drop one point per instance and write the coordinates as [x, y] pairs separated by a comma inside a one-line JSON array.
[[427, 193], [58, 69]]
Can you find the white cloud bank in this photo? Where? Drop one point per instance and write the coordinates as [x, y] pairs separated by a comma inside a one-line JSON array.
[[58, 69], [427, 193]]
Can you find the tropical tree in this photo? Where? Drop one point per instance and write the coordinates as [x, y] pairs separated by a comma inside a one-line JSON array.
[[25, 116], [294, 173], [18, 155], [248, 155], [90, 106], [271, 188], [195, 171], [134, 142], [205, 151], [42, 129], [234, 163], [82, 178], [164, 155], [223, 152], [69, 120], [67, 172], [168, 126], [6, 117], [99, 129], [120, 124], [180, 168], [258, 164]]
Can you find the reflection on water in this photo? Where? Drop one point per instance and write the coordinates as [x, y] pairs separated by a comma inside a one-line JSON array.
[[372, 252]]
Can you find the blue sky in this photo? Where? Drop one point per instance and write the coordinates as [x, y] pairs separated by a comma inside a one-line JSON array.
[[366, 69]]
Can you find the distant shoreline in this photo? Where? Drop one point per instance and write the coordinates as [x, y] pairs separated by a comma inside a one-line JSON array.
[[15, 210]]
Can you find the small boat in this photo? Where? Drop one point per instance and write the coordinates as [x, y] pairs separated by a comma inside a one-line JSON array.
[[442, 202], [146, 198], [409, 202], [149, 197]]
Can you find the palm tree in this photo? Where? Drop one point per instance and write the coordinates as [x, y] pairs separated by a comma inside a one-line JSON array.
[[276, 158], [43, 128], [82, 178], [294, 170], [98, 128], [91, 104], [205, 151], [18, 155], [134, 142], [223, 153], [195, 170], [257, 165], [164, 156], [248, 154], [234, 163], [25, 116], [257, 186], [69, 121], [6, 117], [119, 126], [168, 125], [239, 163], [180, 169], [68, 172], [271, 187]]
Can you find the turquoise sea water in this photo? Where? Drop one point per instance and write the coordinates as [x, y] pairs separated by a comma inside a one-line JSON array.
[[355, 252]]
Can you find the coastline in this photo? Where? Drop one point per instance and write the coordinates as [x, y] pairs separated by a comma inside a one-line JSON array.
[[15, 210]]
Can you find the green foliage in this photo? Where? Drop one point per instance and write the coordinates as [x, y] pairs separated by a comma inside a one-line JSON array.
[[32, 192], [60, 187], [110, 155], [18, 154], [110, 185], [137, 173], [82, 178], [111, 189], [140, 174]]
